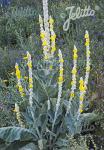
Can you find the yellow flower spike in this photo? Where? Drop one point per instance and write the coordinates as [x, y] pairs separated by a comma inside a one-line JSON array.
[[30, 79], [74, 72], [18, 75], [87, 59], [60, 83]]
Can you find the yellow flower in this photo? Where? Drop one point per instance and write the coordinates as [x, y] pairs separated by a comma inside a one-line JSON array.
[[60, 79], [51, 21], [72, 82], [42, 35], [20, 89], [82, 98], [72, 94], [81, 88], [81, 110], [53, 49], [87, 43], [30, 80], [81, 81], [53, 37], [30, 85], [29, 64], [75, 50], [61, 71], [86, 36], [74, 71], [18, 74], [61, 60], [44, 43], [75, 56]]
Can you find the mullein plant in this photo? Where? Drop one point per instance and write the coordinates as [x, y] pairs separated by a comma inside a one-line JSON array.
[[48, 122], [42, 116]]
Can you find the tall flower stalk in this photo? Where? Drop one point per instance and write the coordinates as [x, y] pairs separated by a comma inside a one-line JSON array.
[[19, 84], [46, 19], [29, 64], [47, 34], [74, 73], [87, 58], [84, 83], [52, 37], [60, 83], [43, 39]]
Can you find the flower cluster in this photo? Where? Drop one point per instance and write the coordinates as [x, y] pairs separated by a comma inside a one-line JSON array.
[[44, 39], [18, 115], [29, 64], [87, 58], [19, 85], [52, 37], [47, 34], [46, 18], [82, 93], [74, 72]]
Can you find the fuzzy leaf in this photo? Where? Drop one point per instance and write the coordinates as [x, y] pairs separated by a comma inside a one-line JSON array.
[[11, 134]]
